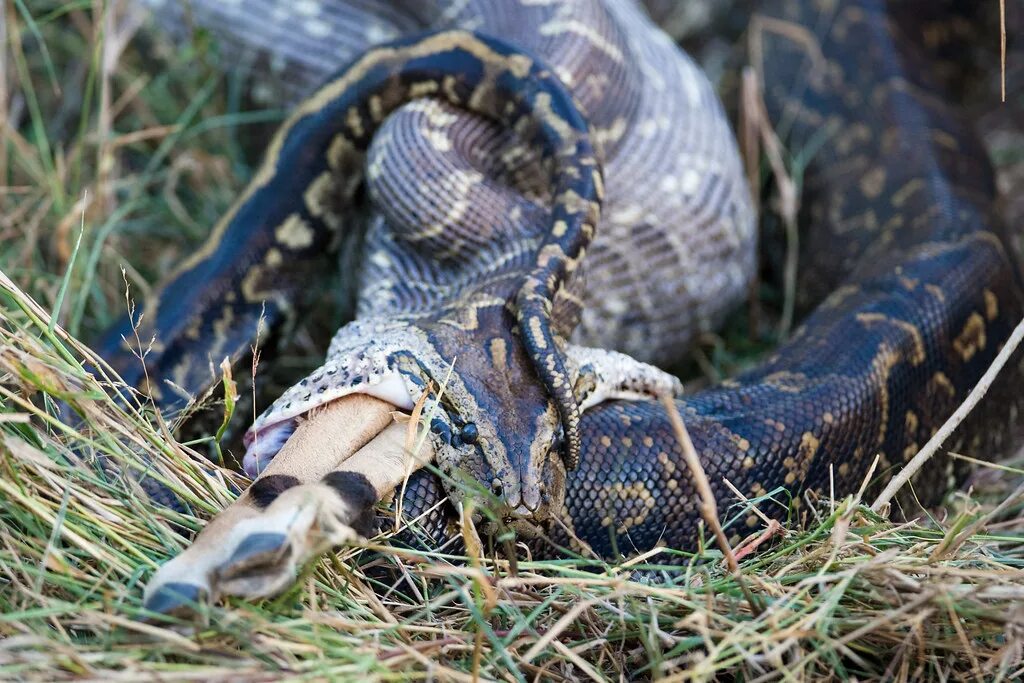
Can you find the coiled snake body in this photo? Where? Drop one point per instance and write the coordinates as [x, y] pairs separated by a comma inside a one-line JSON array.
[[462, 273]]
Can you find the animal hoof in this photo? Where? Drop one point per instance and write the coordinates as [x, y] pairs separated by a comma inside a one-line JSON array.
[[299, 525], [254, 551], [257, 555], [175, 599], [262, 565]]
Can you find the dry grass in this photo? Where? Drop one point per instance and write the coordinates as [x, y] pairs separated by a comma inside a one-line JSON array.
[[127, 162]]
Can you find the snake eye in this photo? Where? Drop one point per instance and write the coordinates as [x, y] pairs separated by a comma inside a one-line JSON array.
[[470, 433], [496, 487]]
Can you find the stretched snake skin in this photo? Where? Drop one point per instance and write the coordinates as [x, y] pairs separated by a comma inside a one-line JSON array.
[[904, 254], [675, 248]]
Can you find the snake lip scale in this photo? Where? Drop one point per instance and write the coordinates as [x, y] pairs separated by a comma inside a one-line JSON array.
[[477, 277]]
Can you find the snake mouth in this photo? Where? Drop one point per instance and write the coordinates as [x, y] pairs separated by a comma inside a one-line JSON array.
[[523, 528], [527, 515]]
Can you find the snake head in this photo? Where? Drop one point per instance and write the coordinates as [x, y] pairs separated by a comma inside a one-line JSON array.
[[494, 424], [517, 476], [500, 428]]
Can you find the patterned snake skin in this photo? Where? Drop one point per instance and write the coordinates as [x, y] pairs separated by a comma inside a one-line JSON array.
[[675, 248], [897, 197]]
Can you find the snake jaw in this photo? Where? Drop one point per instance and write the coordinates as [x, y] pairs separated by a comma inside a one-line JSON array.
[[515, 426], [514, 450]]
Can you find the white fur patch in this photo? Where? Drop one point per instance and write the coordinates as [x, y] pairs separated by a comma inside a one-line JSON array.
[[265, 444]]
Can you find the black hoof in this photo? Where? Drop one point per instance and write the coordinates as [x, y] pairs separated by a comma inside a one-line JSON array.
[[175, 598], [257, 549]]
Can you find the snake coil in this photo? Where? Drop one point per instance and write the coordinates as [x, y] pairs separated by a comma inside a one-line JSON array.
[[907, 266]]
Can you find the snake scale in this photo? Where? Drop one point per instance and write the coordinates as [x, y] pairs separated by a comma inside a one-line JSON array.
[[474, 262]]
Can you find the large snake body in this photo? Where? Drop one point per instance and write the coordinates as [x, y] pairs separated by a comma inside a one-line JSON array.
[[898, 199]]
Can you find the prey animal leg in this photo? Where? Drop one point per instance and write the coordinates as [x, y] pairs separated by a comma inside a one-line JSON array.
[[285, 505], [309, 519], [602, 375]]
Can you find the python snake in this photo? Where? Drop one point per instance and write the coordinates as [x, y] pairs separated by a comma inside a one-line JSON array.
[[901, 234]]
